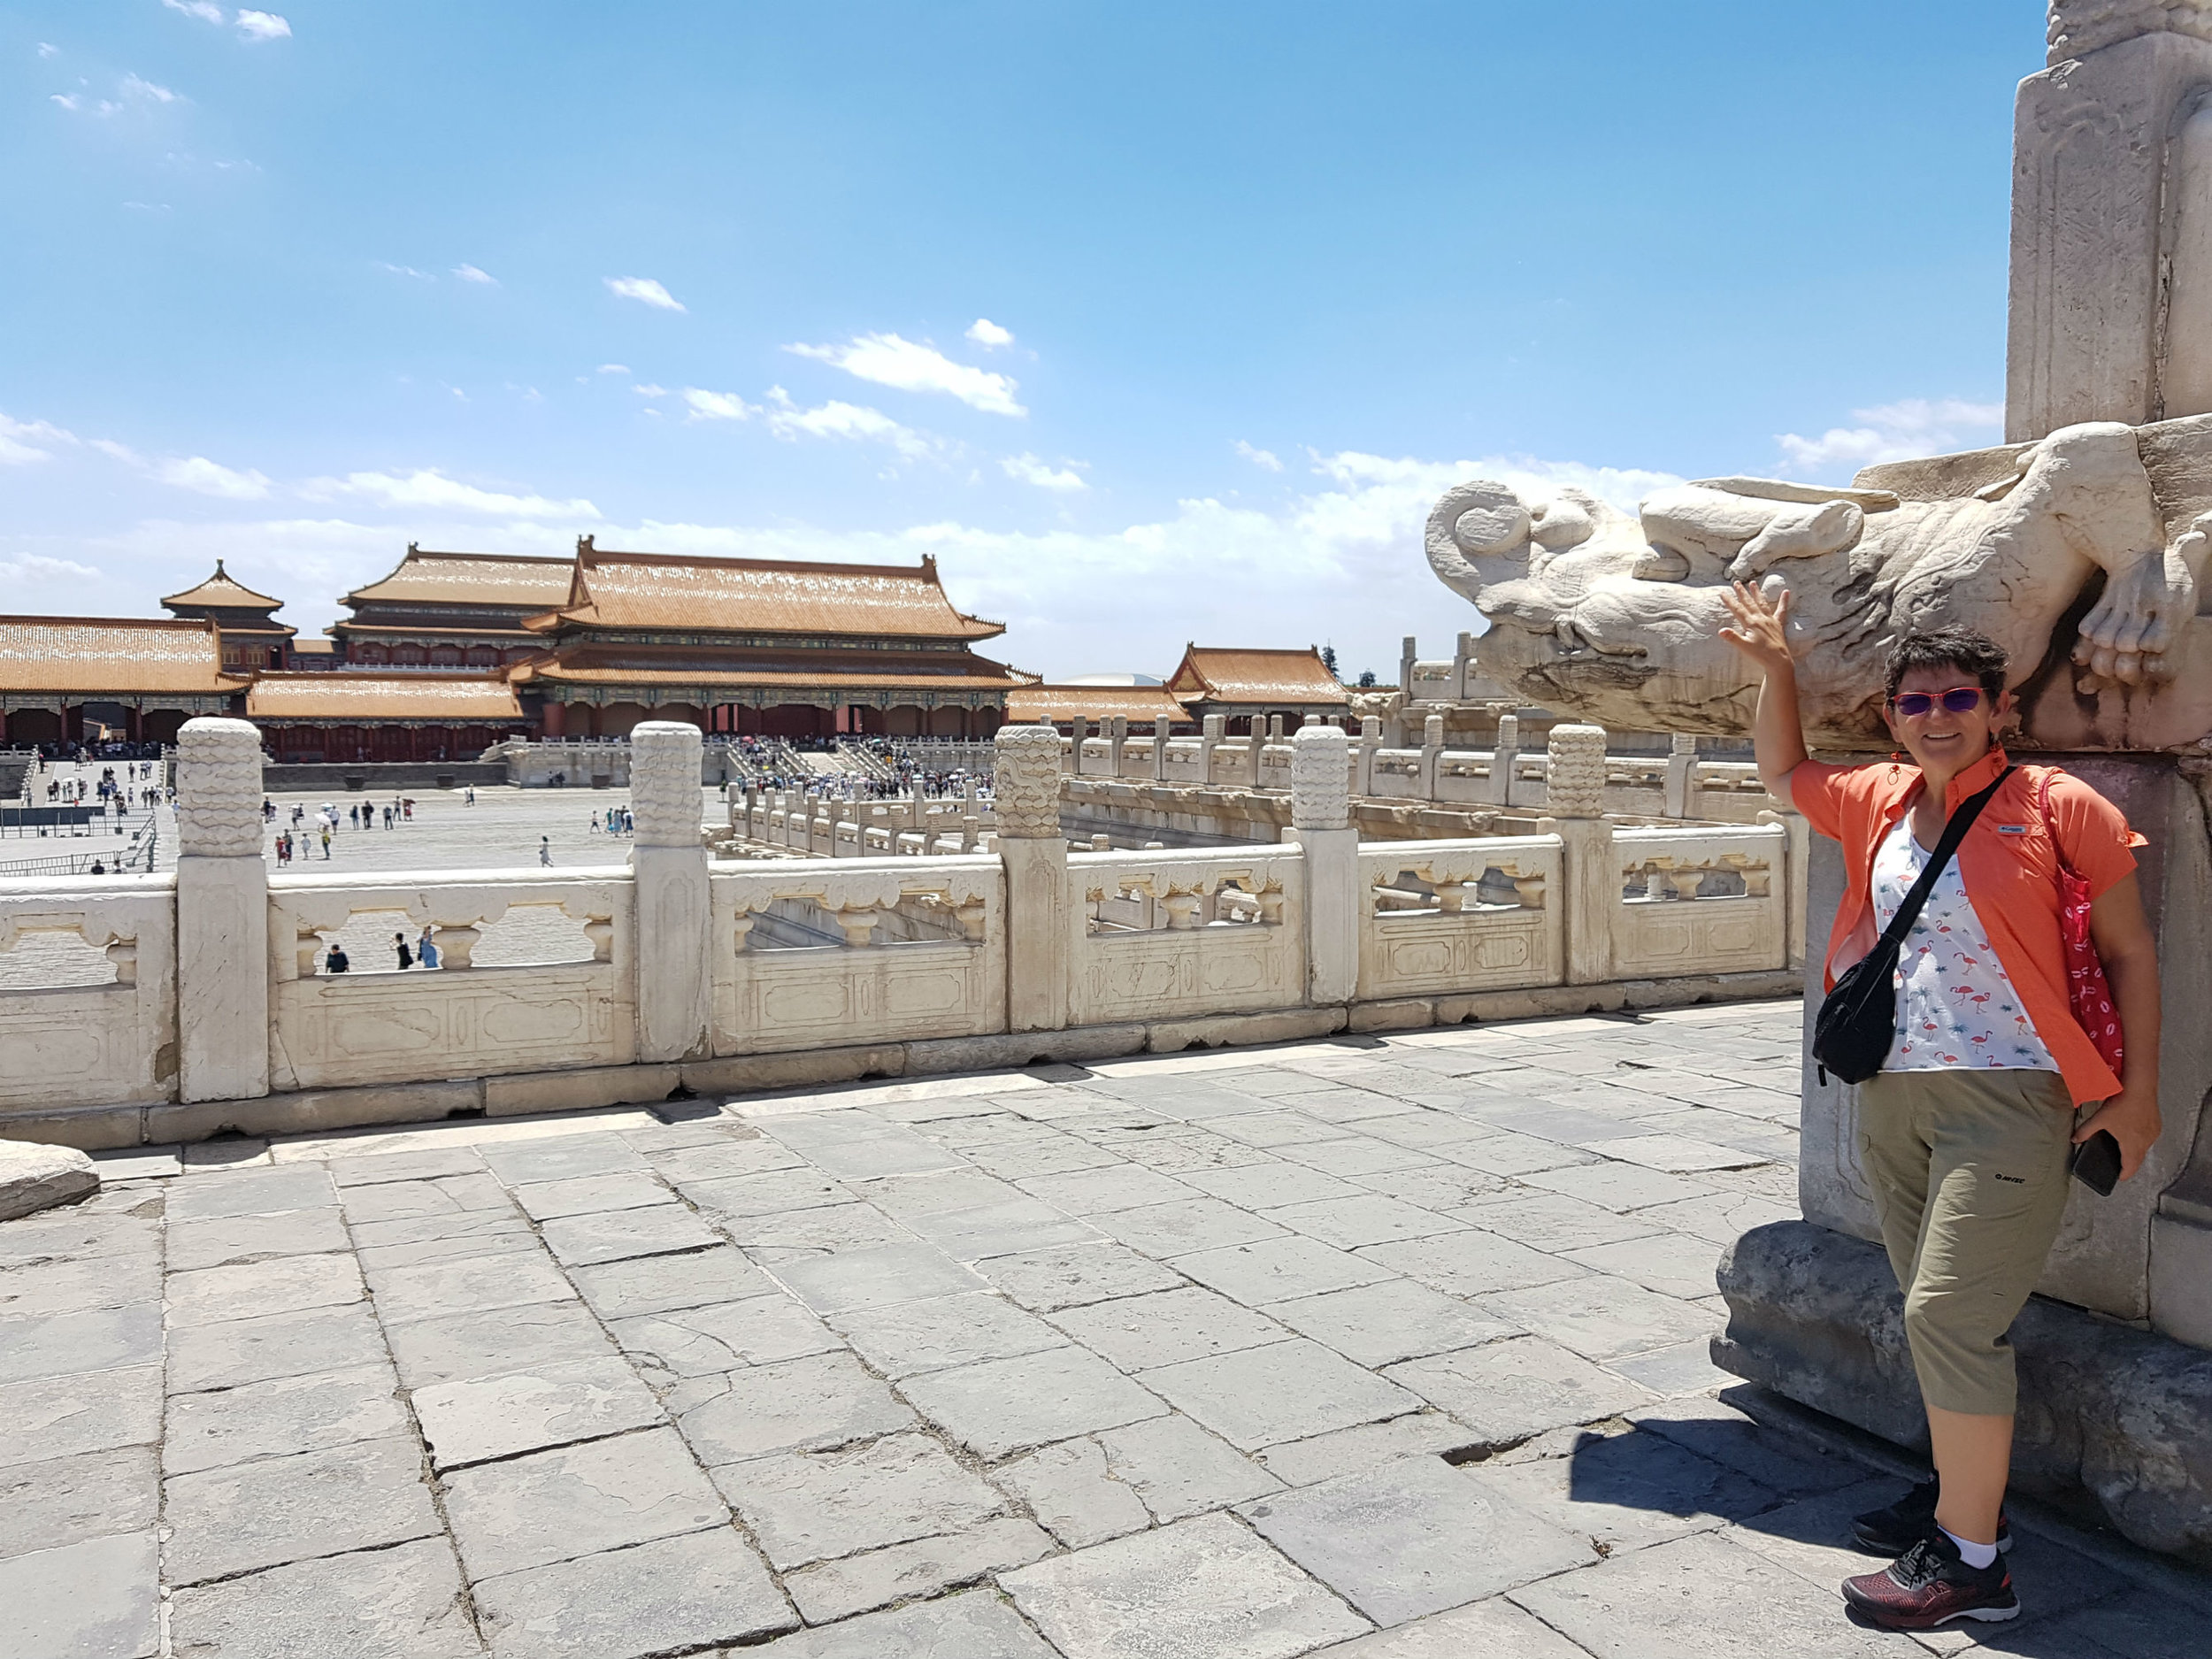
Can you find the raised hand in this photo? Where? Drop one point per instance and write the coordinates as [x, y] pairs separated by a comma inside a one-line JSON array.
[[1762, 630]]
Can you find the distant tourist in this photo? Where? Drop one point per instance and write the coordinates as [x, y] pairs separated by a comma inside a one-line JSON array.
[[399, 948], [545, 849], [426, 949], [336, 962]]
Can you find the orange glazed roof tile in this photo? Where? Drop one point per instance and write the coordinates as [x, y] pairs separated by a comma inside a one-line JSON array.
[[481, 578], [663, 591], [1221, 674], [223, 591], [111, 654], [558, 673], [314, 648], [1052, 705], [350, 694]]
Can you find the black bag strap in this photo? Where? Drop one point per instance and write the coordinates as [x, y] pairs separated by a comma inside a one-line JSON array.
[[1954, 830]]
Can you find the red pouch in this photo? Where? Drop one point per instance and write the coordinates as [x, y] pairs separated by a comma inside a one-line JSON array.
[[2085, 989]]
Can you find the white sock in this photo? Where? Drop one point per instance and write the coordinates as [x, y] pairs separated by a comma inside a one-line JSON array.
[[1972, 1555]]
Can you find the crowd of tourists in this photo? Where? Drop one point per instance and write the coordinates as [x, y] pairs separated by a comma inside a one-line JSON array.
[[303, 834]]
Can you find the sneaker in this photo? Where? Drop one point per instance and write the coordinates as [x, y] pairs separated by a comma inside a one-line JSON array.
[[1893, 1531], [1929, 1585]]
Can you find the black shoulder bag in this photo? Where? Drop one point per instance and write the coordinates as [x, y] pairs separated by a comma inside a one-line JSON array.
[[1857, 1023]]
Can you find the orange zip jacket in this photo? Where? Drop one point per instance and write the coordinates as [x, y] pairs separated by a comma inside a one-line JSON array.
[[2010, 868]]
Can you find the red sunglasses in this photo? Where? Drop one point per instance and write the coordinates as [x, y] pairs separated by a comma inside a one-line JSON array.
[[1957, 700]]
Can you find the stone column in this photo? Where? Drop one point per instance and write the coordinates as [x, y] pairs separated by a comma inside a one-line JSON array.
[[1505, 757], [2111, 293], [675, 971], [1406, 655], [1681, 775], [1576, 793], [1321, 822], [222, 914], [1034, 854]]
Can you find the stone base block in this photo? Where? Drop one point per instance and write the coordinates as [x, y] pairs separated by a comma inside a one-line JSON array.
[[737, 1073], [2112, 1420], [1412, 1013], [1235, 1030], [307, 1110], [34, 1177], [87, 1128], [580, 1090], [1613, 996], [1028, 1048]]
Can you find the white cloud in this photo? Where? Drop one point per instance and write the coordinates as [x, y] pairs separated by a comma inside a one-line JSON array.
[[1030, 470], [262, 25], [613, 368], [835, 419], [709, 405], [986, 333], [645, 290], [47, 49], [430, 489], [405, 271], [39, 567], [1265, 460], [67, 100], [470, 273], [20, 441], [136, 86], [648, 389], [197, 472], [1896, 432], [201, 9], [911, 366]]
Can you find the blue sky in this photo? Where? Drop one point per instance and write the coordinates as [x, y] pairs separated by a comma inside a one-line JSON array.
[[1153, 322]]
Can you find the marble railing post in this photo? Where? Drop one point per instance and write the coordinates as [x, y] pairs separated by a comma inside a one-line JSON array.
[[675, 970], [1681, 777], [1463, 665], [1117, 734], [1035, 855], [1432, 754], [1211, 729], [1321, 822], [1160, 730], [1078, 727], [1575, 791], [222, 914], [1370, 740], [1505, 759]]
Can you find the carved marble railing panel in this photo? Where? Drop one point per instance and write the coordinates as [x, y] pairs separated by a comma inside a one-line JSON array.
[[812, 954], [1451, 917], [1702, 901], [376, 1025], [112, 1043], [1179, 936]]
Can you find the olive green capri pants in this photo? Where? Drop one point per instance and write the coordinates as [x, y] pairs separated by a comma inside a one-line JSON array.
[[1969, 1176]]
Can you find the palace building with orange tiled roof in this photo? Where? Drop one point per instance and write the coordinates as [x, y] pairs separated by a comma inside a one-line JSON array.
[[784, 648], [61, 677], [1245, 684], [252, 638], [449, 610], [392, 715], [1062, 705]]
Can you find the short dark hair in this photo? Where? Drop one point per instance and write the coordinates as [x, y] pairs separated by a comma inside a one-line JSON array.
[[1953, 645]]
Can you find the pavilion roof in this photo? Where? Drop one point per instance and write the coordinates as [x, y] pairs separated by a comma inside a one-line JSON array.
[[99, 656], [1054, 704], [225, 592], [656, 591], [316, 647], [353, 694], [1209, 673], [513, 580]]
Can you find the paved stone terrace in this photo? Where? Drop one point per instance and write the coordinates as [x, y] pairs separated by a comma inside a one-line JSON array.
[[1386, 1348]]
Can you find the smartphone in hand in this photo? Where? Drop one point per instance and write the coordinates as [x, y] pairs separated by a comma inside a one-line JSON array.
[[2096, 1164]]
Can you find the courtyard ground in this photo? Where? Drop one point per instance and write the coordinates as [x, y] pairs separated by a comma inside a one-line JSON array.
[[1377, 1348]]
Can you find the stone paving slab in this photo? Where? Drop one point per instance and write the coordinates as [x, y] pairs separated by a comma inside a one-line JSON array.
[[1206, 1355]]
